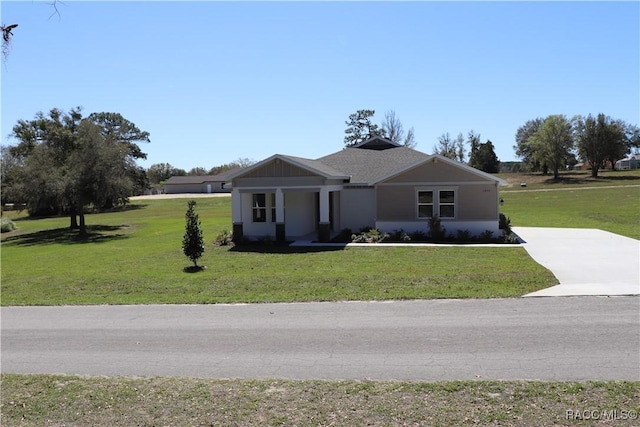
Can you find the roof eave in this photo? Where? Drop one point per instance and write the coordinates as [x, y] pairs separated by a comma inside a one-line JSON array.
[[286, 159]]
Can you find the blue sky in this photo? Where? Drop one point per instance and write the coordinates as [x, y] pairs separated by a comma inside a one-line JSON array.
[[216, 81]]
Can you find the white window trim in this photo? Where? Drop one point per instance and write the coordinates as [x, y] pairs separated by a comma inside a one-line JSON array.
[[255, 207], [436, 201]]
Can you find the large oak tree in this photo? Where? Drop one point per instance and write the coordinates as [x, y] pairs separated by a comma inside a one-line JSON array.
[[64, 162]]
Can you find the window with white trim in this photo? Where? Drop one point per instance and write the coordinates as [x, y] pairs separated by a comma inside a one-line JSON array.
[[440, 202], [273, 207], [425, 204], [259, 207], [447, 203]]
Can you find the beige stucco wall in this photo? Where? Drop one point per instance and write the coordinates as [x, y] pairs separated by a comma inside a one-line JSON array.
[[477, 202], [396, 203], [473, 201], [476, 197]]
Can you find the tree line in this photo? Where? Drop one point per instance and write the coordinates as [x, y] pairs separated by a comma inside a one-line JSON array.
[[555, 142], [66, 163], [543, 144], [360, 127], [157, 173]]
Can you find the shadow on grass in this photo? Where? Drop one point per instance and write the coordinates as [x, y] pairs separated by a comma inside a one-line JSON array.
[[194, 268], [133, 207], [588, 179], [95, 234], [284, 249]]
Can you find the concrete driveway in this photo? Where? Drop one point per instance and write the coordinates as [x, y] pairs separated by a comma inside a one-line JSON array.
[[585, 261]]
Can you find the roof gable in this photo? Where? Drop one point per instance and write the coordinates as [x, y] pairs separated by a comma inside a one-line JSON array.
[[440, 169], [280, 165]]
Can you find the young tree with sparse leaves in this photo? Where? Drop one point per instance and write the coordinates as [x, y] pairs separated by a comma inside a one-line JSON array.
[[193, 241], [394, 131]]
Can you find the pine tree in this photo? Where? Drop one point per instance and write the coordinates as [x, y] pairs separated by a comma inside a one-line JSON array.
[[193, 242]]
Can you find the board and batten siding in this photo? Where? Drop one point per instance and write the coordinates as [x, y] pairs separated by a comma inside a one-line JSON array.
[[278, 168]]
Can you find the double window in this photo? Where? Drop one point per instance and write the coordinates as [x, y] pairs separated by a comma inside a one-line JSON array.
[[441, 202], [259, 207]]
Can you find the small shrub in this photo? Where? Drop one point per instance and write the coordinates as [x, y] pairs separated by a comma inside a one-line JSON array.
[[505, 224], [436, 231], [507, 233], [7, 225], [224, 238], [371, 236], [419, 236], [464, 236], [400, 236], [486, 236], [510, 238]]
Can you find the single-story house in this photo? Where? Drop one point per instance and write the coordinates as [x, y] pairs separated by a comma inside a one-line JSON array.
[[630, 162], [198, 184], [375, 184]]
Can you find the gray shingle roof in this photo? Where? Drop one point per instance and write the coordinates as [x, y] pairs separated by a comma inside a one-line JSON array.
[[317, 165], [367, 166]]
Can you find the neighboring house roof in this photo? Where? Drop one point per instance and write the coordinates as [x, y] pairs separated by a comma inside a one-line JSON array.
[[629, 158], [199, 179]]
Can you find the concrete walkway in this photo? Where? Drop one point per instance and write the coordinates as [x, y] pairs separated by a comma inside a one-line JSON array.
[[585, 261]]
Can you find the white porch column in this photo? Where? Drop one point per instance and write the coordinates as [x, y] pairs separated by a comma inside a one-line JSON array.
[[324, 205], [279, 206], [236, 206]]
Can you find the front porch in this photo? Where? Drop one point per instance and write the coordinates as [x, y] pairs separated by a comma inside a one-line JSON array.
[[286, 213]]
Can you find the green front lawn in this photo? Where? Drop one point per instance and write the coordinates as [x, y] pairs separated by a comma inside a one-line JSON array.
[[576, 202], [134, 257]]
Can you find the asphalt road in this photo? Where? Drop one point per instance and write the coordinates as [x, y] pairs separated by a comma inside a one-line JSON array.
[[570, 338]]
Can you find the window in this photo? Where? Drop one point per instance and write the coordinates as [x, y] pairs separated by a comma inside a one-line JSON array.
[[259, 207], [437, 202], [273, 207], [425, 204], [447, 204]]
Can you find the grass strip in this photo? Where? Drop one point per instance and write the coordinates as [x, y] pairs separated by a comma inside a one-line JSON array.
[[29, 400]]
